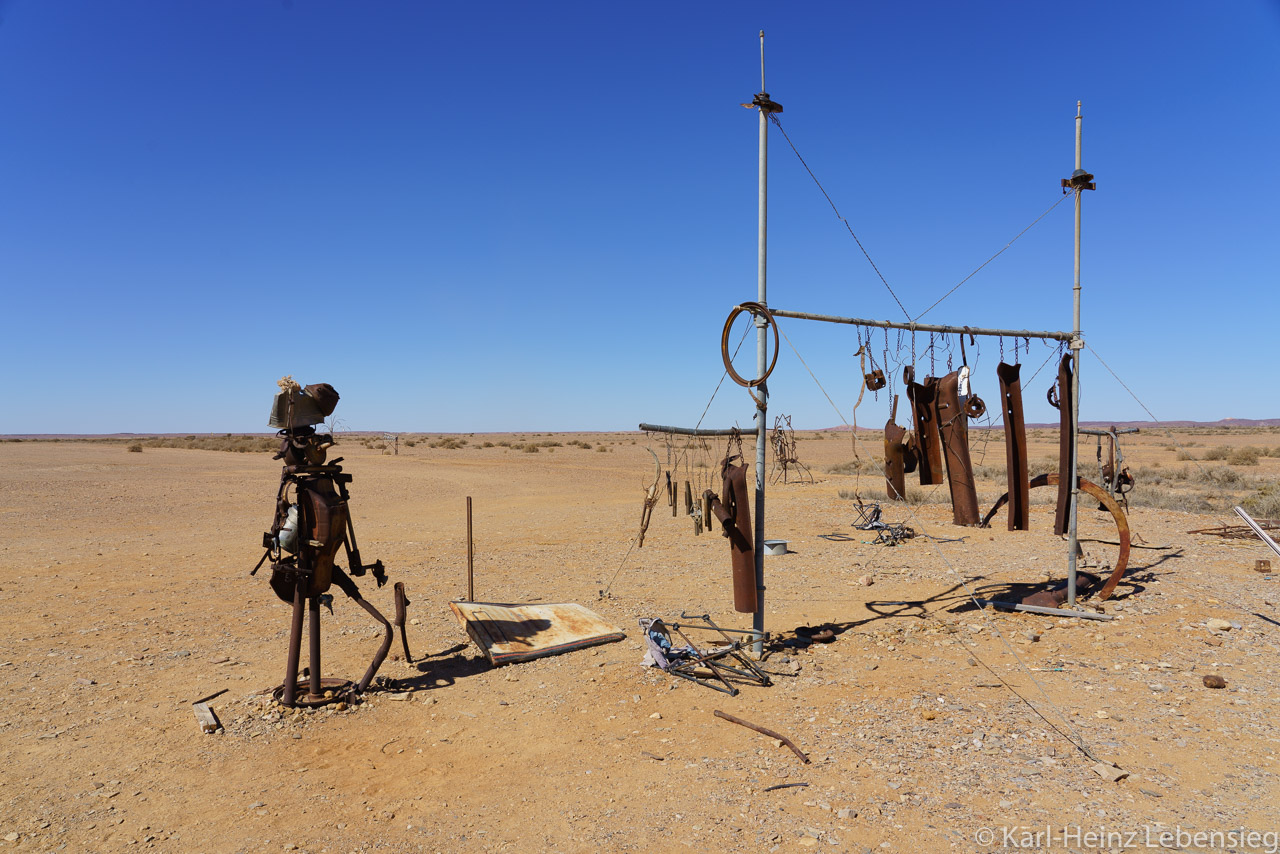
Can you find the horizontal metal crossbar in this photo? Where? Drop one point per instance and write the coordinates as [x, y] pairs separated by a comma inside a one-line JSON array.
[[923, 327], [686, 431]]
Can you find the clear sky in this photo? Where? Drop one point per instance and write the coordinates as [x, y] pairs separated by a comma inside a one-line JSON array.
[[480, 216]]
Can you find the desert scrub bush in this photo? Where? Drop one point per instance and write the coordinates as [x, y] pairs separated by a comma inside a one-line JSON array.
[[915, 497], [530, 448], [1182, 456], [861, 465], [1217, 452], [1246, 456], [1263, 504], [409, 443], [449, 443], [237, 444], [135, 448], [601, 449], [487, 445]]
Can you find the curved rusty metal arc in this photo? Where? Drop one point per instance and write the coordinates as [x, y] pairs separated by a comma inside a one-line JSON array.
[[1122, 523]]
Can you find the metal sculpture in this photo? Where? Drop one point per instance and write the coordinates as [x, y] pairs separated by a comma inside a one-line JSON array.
[[312, 522]]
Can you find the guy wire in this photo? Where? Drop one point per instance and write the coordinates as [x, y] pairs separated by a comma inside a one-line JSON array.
[[1075, 737], [774, 118], [992, 258]]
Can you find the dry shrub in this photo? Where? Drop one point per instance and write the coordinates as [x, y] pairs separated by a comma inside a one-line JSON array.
[[449, 443], [135, 448], [1246, 456]]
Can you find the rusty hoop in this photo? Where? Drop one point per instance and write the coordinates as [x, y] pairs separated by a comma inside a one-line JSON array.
[[1122, 523], [757, 310]]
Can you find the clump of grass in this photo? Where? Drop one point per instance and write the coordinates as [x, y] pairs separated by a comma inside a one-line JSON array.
[[1246, 456], [448, 443], [1218, 452], [409, 443], [861, 465], [601, 449], [530, 448], [135, 448], [236, 444], [1183, 456], [487, 445]]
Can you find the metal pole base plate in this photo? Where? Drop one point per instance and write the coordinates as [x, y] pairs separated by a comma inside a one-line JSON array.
[[331, 691]]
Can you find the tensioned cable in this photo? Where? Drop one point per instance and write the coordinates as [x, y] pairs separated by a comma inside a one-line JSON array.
[[992, 258], [1188, 454], [1075, 737], [684, 451], [774, 118]]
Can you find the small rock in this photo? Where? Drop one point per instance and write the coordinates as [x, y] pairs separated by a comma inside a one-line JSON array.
[[657, 716], [11, 837], [847, 813], [928, 714], [1109, 772], [402, 695], [1217, 624], [866, 581], [1213, 680]]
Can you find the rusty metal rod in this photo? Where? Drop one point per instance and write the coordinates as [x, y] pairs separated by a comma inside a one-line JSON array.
[[313, 625], [295, 646], [1039, 609], [923, 327], [471, 583], [740, 722], [686, 431]]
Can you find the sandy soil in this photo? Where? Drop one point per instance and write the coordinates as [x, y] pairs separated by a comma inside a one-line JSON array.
[[125, 596]]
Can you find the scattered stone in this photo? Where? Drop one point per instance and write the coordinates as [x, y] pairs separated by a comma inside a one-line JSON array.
[[847, 813], [11, 837], [401, 695], [657, 716], [1217, 624], [1213, 680], [1109, 772], [928, 714]]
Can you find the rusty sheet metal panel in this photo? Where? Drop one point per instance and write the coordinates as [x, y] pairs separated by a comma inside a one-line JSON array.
[[508, 633], [1066, 462], [954, 427], [1015, 447], [924, 418]]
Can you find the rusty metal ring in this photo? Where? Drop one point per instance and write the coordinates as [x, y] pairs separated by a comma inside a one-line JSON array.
[[874, 380], [1052, 397], [1122, 522], [757, 310], [975, 407]]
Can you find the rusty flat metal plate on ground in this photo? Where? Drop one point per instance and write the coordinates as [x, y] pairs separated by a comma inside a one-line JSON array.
[[508, 633]]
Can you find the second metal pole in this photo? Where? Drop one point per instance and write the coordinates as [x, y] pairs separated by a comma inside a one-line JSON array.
[[1073, 540], [762, 362]]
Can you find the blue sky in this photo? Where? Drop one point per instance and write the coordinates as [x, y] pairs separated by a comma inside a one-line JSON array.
[[518, 216]]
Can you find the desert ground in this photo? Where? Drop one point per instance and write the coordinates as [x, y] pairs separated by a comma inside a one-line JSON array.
[[931, 725]]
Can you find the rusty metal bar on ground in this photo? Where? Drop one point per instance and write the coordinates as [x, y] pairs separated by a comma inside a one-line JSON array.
[[686, 431], [779, 736], [923, 327], [1037, 609]]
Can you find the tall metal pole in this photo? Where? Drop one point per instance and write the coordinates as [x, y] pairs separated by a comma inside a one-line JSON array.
[[1073, 542], [762, 357]]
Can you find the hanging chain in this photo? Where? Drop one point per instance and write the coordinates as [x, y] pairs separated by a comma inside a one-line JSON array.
[[932, 367]]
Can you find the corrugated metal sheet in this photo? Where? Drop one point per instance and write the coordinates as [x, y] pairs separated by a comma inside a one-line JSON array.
[[509, 633]]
